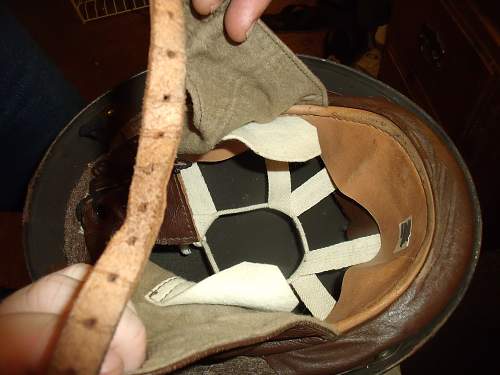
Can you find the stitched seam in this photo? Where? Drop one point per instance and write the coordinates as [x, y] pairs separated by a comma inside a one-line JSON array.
[[170, 292], [156, 289], [164, 242]]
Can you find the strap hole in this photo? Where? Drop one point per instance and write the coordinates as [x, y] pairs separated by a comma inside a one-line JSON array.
[[90, 323]]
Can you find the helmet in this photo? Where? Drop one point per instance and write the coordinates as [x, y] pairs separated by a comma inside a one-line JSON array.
[[322, 240], [366, 209]]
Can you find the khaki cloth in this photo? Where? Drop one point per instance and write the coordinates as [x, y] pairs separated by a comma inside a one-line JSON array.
[[232, 84]]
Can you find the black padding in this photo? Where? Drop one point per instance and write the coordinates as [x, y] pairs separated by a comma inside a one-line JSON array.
[[261, 236], [324, 224], [332, 280], [265, 235], [237, 182], [193, 267], [301, 172]]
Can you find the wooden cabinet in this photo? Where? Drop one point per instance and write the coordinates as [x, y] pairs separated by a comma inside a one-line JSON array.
[[445, 55]]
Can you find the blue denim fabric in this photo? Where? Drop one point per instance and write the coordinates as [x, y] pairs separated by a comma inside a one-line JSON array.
[[35, 104]]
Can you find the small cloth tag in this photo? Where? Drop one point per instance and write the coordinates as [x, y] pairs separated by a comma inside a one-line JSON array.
[[404, 234]]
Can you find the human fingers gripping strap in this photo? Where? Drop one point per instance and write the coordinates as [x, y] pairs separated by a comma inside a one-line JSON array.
[[97, 308]]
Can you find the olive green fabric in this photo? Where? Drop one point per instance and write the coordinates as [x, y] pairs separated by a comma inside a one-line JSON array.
[[233, 84], [182, 334]]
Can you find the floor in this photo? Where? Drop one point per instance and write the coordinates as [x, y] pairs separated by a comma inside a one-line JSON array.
[[98, 55]]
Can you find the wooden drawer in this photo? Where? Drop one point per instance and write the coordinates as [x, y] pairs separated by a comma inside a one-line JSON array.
[[438, 63], [395, 75]]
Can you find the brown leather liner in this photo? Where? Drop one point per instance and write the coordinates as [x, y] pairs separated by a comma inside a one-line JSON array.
[[368, 165], [385, 177], [451, 244], [361, 223], [434, 287]]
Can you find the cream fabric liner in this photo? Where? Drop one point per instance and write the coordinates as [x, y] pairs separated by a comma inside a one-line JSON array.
[[269, 140], [181, 334], [252, 285]]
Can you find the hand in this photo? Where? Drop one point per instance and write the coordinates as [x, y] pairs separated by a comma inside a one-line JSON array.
[[240, 15], [29, 322]]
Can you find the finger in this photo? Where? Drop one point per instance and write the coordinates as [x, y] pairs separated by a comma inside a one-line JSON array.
[[128, 347], [113, 364], [76, 271], [129, 341], [205, 7], [28, 337], [50, 294], [241, 16], [31, 335]]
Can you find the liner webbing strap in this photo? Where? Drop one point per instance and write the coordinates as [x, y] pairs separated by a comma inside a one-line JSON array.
[[280, 197]]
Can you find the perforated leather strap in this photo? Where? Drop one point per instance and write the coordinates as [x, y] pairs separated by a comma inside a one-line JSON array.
[[96, 311]]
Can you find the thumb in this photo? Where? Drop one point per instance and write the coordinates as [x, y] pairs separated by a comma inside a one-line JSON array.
[[113, 364]]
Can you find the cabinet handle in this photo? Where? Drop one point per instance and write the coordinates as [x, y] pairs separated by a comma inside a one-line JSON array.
[[431, 47]]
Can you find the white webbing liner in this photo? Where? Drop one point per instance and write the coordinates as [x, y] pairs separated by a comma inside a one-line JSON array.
[[314, 295], [269, 141], [210, 255], [200, 200], [311, 192], [341, 255], [309, 288], [279, 186]]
